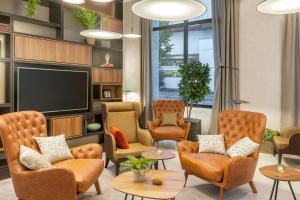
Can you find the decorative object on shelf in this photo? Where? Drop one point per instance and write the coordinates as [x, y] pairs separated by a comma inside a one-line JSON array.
[[107, 93], [89, 20], [279, 6], [74, 1], [2, 46], [126, 91], [169, 10], [93, 127], [194, 84], [5, 27], [107, 58], [132, 35], [31, 7], [139, 167], [2, 83]]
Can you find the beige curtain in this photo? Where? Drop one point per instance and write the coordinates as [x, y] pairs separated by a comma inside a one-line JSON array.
[[146, 84], [226, 46], [290, 83]]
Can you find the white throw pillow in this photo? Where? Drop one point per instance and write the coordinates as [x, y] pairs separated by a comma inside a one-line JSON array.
[[211, 144], [33, 159], [244, 147], [54, 148]]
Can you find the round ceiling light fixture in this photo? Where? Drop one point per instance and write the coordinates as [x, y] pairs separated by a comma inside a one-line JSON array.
[[169, 10], [132, 35], [279, 6], [101, 34], [74, 1]]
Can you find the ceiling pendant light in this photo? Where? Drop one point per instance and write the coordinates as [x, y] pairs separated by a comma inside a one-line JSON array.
[[279, 6], [74, 1], [132, 35], [169, 10]]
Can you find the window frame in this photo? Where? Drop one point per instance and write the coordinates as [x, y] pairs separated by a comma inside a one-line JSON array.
[[185, 25]]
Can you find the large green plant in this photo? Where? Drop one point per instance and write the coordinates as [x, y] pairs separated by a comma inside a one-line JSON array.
[[269, 134], [194, 83], [31, 7], [136, 163], [88, 19]]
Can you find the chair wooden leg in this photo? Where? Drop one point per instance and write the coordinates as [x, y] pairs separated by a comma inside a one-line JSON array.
[[117, 169], [97, 186], [221, 193], [186, 178], [253, 188], [106, 162]]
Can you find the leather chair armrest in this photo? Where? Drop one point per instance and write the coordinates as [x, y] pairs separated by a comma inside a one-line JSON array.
[[88, 151], [234, 176], [144, 137], [110, 146], [153, 124], [186, 146], [186, 127], [290, 131], [46, 184]]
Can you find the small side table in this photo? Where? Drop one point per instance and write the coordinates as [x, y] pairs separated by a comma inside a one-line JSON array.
[[159, 155], [289, 176]]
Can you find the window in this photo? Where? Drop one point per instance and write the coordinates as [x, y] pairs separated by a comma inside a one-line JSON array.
[[175, 43]]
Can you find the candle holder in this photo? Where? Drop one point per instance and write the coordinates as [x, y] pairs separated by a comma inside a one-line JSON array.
[[280, 168]]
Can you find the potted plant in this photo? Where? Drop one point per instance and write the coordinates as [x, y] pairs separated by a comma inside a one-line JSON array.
[[89, 20], [139, 167], [193, 88], [31, 7], [267, 145]]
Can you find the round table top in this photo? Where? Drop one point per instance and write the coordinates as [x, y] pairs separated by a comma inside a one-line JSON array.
[[163, 155], [172, 185], [289, 174]]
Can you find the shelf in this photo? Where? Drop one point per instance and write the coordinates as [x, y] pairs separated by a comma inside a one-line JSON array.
[[96, 100], [5, 59], [36, 21], [109, 49], [5, 105], [112, 68], [111, 99]]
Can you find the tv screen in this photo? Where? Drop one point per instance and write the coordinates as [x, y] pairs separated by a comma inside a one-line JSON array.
[[51, 90]]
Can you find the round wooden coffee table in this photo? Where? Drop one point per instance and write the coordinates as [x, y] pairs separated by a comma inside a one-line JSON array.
[[288, 175], [172, 185], [159, 155]]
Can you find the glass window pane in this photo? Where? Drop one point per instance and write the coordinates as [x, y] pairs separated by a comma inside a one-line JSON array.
[[201, 49], [167, 55], [156, 24]]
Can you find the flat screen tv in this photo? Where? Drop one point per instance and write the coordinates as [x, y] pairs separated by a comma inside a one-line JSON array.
[[52, 90]]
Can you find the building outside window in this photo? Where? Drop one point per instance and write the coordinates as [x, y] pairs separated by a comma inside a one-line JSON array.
[[175, 43]]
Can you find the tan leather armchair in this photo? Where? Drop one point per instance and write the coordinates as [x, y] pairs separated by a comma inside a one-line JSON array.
[[221, 170], [124, 116], [176, 133], [287, 143], [65, 179]]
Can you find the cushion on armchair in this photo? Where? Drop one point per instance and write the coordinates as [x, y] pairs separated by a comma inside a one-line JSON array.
[[212, 144], [169, 119], [244, 147], [33, 159], [120, 138]]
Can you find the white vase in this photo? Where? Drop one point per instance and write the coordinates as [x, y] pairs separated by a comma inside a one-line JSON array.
[[139, 175], [91, 41]]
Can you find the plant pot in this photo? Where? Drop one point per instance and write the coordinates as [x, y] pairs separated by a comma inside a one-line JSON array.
[[139, 175], [267, 147], [91, 41], [195, 129]]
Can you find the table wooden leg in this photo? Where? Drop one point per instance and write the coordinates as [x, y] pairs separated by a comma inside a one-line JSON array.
[[132, 197], [126, 195], [292, 190], [273, 190], [164, 165], [276, 191], [156, 165]]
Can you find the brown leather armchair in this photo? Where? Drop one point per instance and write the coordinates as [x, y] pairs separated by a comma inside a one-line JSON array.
[[64, 180], [221, 170], [287, 143], [176, 133], [124, 116]]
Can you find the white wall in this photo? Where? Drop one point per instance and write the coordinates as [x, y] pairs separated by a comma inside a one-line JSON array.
[[260, 61], [131, 54]]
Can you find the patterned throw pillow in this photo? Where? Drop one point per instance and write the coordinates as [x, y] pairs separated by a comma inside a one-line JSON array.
[[244, 147], [33, 159], [54, 148], [211, 144], [169, 119]]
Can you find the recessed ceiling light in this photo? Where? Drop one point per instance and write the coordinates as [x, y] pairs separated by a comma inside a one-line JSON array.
[[75, 1], [103, 1], [279, 6], [169, 10], [100, 34], [132, 35]]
